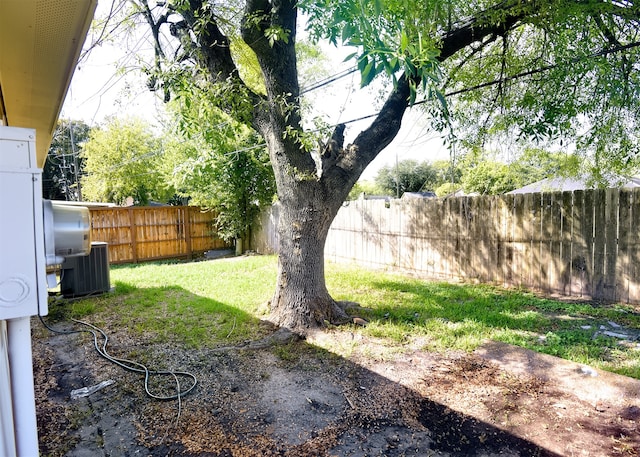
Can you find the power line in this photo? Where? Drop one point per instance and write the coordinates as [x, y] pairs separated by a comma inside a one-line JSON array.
[[514, 77], [329, 80], [539, 70], [448, 94]]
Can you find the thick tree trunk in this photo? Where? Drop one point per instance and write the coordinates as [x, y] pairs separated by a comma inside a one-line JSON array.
[[301, 300], [310, 199]]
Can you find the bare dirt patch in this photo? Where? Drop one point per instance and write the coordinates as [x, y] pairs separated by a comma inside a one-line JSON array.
[[298, 399]]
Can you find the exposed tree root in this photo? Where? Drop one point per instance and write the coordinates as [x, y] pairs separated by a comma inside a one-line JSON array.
[[279, 337], [283, 335], [353, 309]]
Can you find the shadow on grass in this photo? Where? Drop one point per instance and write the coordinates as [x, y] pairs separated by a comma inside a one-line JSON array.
[[293, 400], [467, 315], [167, 314], [484, 304]]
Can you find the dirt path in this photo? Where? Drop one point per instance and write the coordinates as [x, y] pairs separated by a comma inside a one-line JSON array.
[[301, 400]]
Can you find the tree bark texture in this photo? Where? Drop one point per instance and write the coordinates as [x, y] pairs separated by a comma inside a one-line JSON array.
[[301, 299]]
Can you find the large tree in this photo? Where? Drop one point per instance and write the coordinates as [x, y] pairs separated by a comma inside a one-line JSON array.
[[123, 160], [219, 166], [484, 173], [549, 67], [63, 168], [407, 176]]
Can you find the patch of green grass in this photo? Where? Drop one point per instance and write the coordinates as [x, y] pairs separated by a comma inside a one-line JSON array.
[[463, 316], [205, 304], [198, 304], [289, 353]]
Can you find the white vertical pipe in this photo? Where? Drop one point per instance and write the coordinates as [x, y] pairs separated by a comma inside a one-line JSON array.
[[7, 433], [24, 403]]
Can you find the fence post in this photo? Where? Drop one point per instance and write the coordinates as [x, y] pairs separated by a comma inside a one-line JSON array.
[[633, 245], [187, 230], [611, 284], [623, 260], [134, 235], [599, 242]]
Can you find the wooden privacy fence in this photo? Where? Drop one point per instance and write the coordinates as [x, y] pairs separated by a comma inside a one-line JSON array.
[[582, 243], [137, 234]]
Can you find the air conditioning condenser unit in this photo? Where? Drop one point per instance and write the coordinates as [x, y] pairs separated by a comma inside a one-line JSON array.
[[87, 275]]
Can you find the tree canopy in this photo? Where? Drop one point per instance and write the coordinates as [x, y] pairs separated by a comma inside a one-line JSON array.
[[407, 176], [63, 168], [535, 70], [219, 164], [121, 161], [478, 172], [483, 173], [562, 76]]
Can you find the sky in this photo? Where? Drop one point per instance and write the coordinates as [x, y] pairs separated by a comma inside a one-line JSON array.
[[99, 90]]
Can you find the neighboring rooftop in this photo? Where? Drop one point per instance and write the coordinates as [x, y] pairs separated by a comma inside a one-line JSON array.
[[563, 184], [427, 194]]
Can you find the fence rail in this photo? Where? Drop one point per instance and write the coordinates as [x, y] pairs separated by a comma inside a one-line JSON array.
[[580, 244], [137, 234]]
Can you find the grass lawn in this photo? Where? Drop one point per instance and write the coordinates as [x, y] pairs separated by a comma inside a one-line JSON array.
[[207, 304]]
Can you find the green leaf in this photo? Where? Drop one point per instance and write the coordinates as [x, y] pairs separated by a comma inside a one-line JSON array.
[[368, 74], [394, 65], [404, 41], [412, 93], [363, 61], [347, 32], [410, 68], [441, 99], [377, 5], [350, 56]]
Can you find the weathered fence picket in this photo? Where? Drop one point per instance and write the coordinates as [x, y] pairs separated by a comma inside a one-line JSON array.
[[580, 244], [136, 234]]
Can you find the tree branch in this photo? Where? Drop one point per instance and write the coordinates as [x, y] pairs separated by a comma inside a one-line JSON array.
[[145, 10], [385, 127], [468, 58], [330, 152], [277, 58], [368, 144], [269, 29], [613, 40], [486, 24], [154, 24], [214, 50]]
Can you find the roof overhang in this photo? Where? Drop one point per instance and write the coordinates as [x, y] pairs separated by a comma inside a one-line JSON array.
[[40, 42]]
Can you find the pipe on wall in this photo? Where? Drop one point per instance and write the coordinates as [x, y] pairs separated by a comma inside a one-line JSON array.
[[22, 388], [7, 432]]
